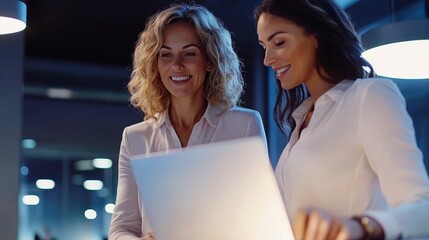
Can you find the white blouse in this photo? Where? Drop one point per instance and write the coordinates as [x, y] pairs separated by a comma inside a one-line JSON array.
[[358, 155], [128, 220]]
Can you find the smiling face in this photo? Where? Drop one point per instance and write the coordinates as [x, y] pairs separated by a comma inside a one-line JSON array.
[[289, 50], [182, 62]]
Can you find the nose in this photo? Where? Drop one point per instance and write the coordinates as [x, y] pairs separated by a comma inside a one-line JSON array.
[[269, 58], [178, 63]]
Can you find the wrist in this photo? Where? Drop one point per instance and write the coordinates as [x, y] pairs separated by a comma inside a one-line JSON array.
[[372, 230]]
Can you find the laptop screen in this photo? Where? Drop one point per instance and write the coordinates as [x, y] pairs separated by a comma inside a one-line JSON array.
[[224, 190]]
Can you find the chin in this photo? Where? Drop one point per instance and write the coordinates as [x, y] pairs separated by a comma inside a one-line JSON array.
[[288, 85]]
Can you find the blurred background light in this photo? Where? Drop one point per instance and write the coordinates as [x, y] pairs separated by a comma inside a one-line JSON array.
[[90, 214], [24, 170], [59, 93], [45, 183], [30, 199], [93, 184], [102, 163], [109, 207], [28, 143]]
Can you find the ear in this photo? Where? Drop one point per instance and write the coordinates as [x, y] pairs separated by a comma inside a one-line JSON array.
[[210, 67], [315, 40]]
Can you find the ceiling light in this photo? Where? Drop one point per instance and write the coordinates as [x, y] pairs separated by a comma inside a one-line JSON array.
[[13, 16], [90, 214], [28, 143], [399, 50], [102, 163], [93, 184], [24, 170], [45, 183], [30, 199], [60, 93], [109, 207]]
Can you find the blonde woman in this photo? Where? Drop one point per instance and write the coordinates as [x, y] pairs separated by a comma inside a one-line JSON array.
[[187, 80]]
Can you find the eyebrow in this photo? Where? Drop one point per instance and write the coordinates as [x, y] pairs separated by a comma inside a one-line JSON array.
[[272, 36], [184, 47]]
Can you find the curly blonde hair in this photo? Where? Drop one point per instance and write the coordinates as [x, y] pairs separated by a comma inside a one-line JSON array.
[[223, 85]]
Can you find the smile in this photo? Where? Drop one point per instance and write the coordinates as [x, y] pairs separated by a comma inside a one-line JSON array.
[[282, 70], [180, 78]]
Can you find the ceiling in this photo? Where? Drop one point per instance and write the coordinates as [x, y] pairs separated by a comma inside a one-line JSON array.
[[78, 57]]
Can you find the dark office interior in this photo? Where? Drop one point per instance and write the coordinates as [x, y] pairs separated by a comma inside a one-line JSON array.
[[77, 59]]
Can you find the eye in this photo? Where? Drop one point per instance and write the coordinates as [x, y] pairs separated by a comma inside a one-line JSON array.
[[190, 54], [165, 54], [279, 43]]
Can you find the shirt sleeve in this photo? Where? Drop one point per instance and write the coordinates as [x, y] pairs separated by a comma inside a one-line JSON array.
[[387, 134], [256, 127], [126, 219]]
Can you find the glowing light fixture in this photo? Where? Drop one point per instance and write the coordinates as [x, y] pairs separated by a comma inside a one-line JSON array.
[[90, 214], [45, 183], [109, 207], [102, 163], [13, 16], [93, 184], [399, 49], [28, 143], [30, 199], [24, 170]]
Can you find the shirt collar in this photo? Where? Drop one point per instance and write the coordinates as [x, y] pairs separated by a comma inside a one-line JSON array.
[[160, 118], [302, 109], [337, 91], [335, 94], [211, 115]]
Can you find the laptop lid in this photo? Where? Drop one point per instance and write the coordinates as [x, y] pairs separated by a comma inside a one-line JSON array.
[[223, 190]]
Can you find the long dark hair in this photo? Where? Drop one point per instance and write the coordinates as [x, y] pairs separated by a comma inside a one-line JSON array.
[[338, 55]]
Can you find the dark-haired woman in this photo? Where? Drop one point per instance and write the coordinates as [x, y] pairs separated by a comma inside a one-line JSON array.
[[352, 168]]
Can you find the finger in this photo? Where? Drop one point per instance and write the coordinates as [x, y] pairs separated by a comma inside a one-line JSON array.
[[299, 225], [312, 225], [335, 228], [148, 236], [324, 226], [342, 235]]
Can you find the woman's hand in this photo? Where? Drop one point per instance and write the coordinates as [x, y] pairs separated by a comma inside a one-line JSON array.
[[148, 236], [316, 224]]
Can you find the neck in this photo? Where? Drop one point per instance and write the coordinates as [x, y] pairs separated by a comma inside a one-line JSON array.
[[317, 88], [186, 113]]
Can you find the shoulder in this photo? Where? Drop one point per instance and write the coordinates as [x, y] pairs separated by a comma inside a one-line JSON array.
[[365, 84], [241, 115], [240, 122], [145, 127], [375, 88], [376, 92], [241, 112]]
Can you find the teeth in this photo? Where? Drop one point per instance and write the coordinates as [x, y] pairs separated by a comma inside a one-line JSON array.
[[283, 69], [180, 78]]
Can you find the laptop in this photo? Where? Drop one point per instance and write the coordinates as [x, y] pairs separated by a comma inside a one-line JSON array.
[[224, 190]]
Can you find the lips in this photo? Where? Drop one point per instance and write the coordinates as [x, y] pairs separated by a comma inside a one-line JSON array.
[[281, 71]]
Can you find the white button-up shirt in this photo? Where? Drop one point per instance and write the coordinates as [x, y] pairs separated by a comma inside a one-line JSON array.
[[128, 219], [358, 155]]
